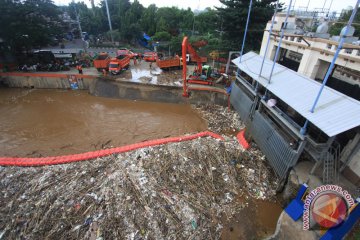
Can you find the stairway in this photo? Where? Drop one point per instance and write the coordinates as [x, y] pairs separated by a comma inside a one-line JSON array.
[[331, 165]]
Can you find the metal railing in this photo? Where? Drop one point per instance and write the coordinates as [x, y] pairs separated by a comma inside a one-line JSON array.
[[331, 164]]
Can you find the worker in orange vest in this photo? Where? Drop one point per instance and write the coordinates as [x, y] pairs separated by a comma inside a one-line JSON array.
[[79, 68]]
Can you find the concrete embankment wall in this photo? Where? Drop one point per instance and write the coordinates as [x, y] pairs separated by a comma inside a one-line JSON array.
[[155, 93], [108, 87], [44, 80]]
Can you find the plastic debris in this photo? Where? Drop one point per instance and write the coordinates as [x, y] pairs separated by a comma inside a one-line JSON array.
[[233, 162], [193, 224], [220, 119], [156, 194], [88, 221]]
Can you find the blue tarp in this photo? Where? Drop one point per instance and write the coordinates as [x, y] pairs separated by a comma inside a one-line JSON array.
[[296, 207], [147, 37], [144, 41]]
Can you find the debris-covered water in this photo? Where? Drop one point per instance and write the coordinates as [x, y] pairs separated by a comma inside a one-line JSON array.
[[176, 191], [199, 189]]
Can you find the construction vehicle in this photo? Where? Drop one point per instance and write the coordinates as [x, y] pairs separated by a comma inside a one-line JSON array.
[[169, 63], [198, 44], [126, 52], [118, 64], [199, 76], [102, 62], [150, 56], [202, 59]]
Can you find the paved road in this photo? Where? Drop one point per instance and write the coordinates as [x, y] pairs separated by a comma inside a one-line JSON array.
[[78, 45]]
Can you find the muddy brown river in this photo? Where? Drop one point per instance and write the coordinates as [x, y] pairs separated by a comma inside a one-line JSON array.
[[53, 122]]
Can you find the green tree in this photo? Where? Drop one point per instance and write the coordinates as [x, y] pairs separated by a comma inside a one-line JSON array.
[[175, 44], [27, 23], [335, 29], [161, 36], [234, 16], [208, 21], [168, 19], [130, 28], [162, 25], [148, 20], [92, 21], [186, 19], [117, 10]]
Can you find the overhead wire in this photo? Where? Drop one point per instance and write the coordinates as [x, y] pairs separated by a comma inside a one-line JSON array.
[[268, 41]]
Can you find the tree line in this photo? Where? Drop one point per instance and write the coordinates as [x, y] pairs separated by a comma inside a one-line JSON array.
[[33, 23]]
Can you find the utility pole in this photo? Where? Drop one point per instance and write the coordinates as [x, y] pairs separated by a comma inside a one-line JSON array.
[[79, 26], [323, 8], [193, 26], [294, 6], [108, 15], [307, 6], [77, 19]]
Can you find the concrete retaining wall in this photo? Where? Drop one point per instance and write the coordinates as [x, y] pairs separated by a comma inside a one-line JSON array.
[[108, 87], [44, 80], [156, 93]]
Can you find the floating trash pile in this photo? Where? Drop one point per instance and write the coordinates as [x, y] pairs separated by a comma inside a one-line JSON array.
[[175, 191], [220, 119]]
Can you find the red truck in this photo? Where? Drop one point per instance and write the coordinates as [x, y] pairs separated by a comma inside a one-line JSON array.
[[203, 60], [102, 62], [150, 56], [126, 52], [119, 63], [175, 62]]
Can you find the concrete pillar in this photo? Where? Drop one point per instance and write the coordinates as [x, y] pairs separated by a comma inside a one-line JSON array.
[[272, 51], [322, 69], [349, 150], [309, 64], [264, 41]]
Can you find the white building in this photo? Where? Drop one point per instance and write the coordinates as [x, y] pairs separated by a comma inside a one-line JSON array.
[[310, 54]]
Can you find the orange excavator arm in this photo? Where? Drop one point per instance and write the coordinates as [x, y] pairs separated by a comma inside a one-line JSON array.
[[187, 48], [184, 51]]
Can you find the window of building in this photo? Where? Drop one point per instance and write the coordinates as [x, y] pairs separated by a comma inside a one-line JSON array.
[[292, 38], [283, 25], [298, 39], [329, 46], [348, 51]]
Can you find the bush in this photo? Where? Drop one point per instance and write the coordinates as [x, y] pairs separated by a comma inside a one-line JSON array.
[[161, 36]]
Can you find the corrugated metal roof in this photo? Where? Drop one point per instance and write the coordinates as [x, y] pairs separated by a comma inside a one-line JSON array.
[[335, 112]]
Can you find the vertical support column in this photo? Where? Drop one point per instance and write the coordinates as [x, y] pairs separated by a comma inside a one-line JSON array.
[[184, 50], [246, 29], [309, 64], [280, 41], [108, 15], [268, 40]]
